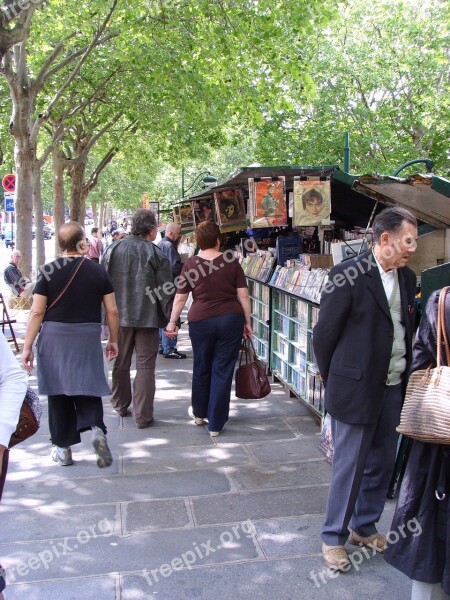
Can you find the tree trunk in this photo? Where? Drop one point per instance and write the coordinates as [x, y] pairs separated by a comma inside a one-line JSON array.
[[38, 216], [58, 194], [24, 157], [77, 195]]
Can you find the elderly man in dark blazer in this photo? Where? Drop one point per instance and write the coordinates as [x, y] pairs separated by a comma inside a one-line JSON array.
[[362, 343]]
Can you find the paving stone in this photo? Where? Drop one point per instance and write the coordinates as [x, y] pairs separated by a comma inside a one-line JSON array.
[[286, 451], [290, 475], [50, 522], [29, 465], [162, 433], [274, 580], [113, 489], [284, 538], [137, 552], [304, 425], [260, 505], [154, 515], [252, 430], [100, 588], [146, 460]]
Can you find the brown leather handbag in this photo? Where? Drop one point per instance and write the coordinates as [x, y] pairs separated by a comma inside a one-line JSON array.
[[28, 424], [251, 378]]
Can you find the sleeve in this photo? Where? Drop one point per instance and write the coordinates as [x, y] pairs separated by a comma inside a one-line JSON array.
[[41, 286], [175, 261], [13, 387], [335, 308], [185, 283], [241, 279], [109, 288], [163, 274]]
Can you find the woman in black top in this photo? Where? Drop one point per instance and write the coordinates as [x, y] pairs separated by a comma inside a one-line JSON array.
[[68, 297]]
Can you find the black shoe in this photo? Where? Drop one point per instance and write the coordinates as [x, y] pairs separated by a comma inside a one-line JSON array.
[[160, 351], [174, 354]]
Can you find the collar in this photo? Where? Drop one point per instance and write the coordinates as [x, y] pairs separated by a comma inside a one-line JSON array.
[[383, 273]]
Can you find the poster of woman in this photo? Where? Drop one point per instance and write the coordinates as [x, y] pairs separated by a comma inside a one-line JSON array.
[[269, 202], [203, 210], [230, 207], [312, 202]]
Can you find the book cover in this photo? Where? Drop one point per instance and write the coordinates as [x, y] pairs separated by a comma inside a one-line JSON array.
[[312, 202], [203, 210], [269, 202], [229, 206]]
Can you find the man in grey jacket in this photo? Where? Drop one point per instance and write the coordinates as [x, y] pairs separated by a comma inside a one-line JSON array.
[[135, 266]]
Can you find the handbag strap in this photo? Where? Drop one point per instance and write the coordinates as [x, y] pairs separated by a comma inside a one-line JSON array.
[[66, 287], [247, 350], [442, 330]]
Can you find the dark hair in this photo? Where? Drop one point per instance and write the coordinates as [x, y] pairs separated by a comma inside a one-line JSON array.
[[144, 221], [391, 220], [207, 234], [94, 230], [309, 195], [70, 235]]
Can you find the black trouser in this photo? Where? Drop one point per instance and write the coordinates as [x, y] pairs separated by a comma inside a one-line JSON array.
[[68, 416]]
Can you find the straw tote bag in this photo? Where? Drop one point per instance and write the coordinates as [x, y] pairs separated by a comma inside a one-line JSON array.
[[426, 412]]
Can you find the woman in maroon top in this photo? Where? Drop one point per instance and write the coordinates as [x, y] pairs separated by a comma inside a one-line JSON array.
[[218, 319]]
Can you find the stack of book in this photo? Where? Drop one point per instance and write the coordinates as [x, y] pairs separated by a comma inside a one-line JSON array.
[[258, 266], [298, 279]]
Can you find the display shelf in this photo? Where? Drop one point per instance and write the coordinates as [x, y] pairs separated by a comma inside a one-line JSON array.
[[292, 359], [260, 307]]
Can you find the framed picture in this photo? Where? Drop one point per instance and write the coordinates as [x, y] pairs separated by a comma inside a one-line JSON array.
[[203, 210], [269, 202], [312, 202], [185, 213], [229, 207], [342, 251]]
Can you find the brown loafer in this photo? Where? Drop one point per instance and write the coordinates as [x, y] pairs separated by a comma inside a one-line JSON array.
[[376, 541], [335, 557]]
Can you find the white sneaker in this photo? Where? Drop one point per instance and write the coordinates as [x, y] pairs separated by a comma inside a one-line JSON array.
[[62, 456], [215, 433]]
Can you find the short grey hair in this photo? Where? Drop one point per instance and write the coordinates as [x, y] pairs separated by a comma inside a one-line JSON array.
[[144, 221], [391, 220]]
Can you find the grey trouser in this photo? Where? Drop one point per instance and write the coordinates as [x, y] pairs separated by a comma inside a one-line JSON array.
[[145, 341], [363, 462]]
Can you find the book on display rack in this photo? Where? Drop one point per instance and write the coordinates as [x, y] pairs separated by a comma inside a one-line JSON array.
[[258, 266], [297, 278]]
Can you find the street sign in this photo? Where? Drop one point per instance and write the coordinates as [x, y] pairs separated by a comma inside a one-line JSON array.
[[9, 183], [9, 202]]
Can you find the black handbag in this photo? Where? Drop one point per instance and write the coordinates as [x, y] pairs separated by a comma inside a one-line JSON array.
[[251, 378]]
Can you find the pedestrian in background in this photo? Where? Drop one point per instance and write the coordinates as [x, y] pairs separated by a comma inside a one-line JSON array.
[[138, 270], [168, 245], [362, 342], [218, 319], [18, 284], [95, 246], [424, 494], [66, 311]]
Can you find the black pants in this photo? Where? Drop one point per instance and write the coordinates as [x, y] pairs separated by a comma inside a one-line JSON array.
[[68, 416]]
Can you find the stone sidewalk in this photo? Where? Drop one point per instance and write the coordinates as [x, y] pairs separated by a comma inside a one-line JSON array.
[[180, 515]]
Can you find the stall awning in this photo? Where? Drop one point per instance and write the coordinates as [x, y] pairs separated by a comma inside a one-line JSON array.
[[426, 196]]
